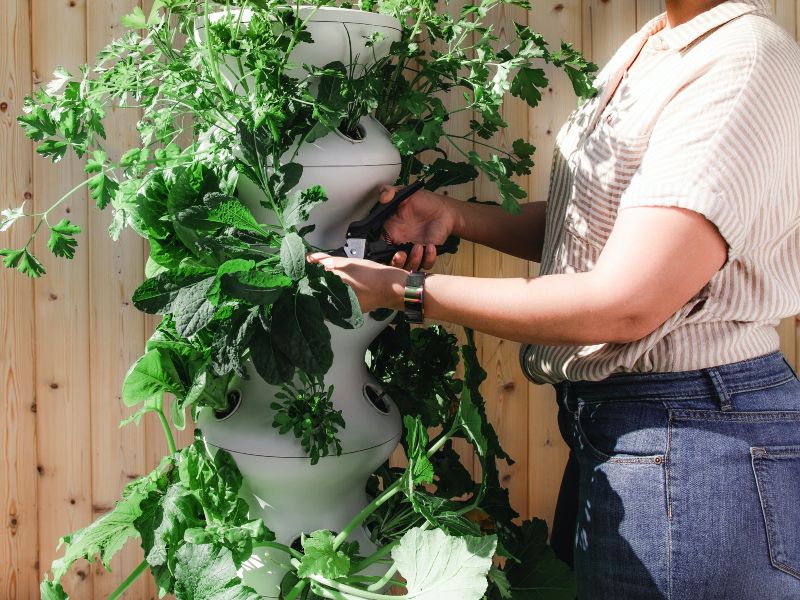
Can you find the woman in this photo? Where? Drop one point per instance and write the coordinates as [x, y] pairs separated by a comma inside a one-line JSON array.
[[669, 249]]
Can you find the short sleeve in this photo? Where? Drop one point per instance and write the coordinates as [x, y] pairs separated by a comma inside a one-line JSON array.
[[714, 148]]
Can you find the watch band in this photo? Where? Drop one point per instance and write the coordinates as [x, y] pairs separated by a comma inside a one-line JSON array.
[[413, 297]]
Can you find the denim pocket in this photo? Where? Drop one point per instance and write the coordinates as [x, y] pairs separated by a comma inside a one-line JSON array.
[[777, 472], [622, 431]]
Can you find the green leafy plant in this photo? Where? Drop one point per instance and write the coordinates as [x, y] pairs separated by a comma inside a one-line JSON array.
[[308, 412], [237, 295]]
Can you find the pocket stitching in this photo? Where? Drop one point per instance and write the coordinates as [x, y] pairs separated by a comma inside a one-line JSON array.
[[651, 459], [757, 453]]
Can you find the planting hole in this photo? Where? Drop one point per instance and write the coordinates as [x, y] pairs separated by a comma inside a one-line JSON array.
[[234, 399], [357, 134], [375, 397]]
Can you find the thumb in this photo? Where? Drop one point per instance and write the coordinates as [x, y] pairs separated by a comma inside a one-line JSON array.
[[387, 193]]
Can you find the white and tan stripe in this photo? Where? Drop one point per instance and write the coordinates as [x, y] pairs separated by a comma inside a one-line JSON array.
[[706, 118]]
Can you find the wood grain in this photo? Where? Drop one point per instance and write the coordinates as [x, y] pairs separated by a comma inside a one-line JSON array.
[[547, 452], [63, 373], [647, 9], [19, 537], [68, 339], [116, 327], [506, 388]]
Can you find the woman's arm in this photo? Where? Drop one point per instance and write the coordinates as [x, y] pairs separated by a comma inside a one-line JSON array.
[[427, 219], [655, 261], [519, 235]]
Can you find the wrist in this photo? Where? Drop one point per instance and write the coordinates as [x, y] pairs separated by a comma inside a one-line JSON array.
[[396, 288], [454, 215]]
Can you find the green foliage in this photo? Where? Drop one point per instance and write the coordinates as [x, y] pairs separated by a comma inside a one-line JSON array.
[[307, 410], [234, 288]]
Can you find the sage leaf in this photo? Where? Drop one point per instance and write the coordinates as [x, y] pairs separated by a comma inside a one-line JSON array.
[[301, 204], [293, 256], [191, 309], [437, 566], [297, 321]]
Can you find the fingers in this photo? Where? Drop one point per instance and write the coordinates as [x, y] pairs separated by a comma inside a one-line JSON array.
[[387, 193], [429, 257], [399, 259], [414, 259]]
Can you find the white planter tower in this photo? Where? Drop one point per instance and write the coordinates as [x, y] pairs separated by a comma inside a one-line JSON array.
[[280, 484]]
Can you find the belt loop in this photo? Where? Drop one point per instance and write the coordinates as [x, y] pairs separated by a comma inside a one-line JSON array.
[[724, 394], [565, 395]]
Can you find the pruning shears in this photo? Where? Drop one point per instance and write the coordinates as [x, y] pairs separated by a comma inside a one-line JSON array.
[[365, 239]]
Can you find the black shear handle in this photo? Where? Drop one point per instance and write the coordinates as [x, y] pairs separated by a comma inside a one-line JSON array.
[[379, 216], [385, 255]]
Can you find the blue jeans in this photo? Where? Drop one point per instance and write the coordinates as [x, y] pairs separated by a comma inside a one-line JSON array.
[[687, 484]]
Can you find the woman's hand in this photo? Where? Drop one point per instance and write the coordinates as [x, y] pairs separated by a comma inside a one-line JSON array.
[[376, 285], [426, 219]]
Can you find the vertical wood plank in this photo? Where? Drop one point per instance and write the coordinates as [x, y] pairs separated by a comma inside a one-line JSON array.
[[607, 23], [547, 452], [19, 536], [62, 318], [648, 9], [506, 388], [786, 13], [116, 327], [788, 334]]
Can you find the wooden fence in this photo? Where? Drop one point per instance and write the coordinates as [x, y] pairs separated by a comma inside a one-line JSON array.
[[67, 340]]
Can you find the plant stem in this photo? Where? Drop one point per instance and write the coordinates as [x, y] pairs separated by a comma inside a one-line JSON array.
[[380, 554], [297, 589], [366, 512], [165, 425], [130, 579]]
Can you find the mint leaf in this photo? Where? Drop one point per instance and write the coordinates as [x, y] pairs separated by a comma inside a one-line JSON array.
[[437, 566], [151, 375], [293, 256], [235, 214], [320, 558], [62, 242]]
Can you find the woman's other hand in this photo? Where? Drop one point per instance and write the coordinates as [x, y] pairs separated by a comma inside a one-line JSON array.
[[425, 219], [375, 285]]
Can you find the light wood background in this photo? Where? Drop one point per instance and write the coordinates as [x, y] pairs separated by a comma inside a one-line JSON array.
[[67, 340]]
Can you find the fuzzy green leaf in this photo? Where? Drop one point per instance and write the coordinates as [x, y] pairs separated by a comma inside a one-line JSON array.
[[293, 256], [207, 572], [191, 309], [235, 214], [437, 566], [301, 204], [298, 321]]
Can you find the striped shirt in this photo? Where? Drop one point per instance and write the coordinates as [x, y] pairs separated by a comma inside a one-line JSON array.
[[707, 118]]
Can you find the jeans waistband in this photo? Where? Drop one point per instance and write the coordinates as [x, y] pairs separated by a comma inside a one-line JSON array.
[[719, 382]]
